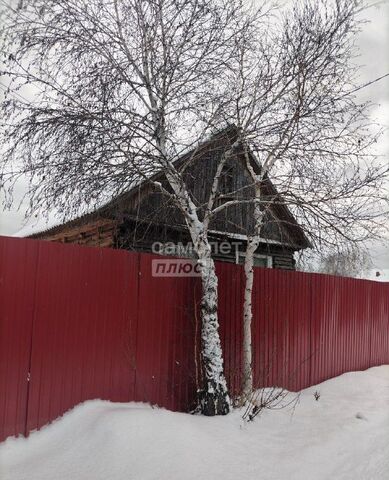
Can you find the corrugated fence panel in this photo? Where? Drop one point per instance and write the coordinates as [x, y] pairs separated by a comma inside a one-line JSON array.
[[342, 325], [17, 288], [298, 306], [357, 299], [165, 357], [85, 323], [230, 308], [379, 316], [85, 298], [281, 329], [325, 335]]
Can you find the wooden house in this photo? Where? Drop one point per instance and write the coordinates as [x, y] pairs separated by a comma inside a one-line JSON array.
[[144, 219]]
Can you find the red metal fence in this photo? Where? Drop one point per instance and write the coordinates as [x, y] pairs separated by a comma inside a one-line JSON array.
[[78, 323]]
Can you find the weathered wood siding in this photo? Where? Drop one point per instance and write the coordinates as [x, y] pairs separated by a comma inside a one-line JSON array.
[[136, 220], [236, 219], [95, 233], [136, 236]]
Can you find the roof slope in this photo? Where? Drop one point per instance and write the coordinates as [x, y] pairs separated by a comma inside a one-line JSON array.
[[54, 224]]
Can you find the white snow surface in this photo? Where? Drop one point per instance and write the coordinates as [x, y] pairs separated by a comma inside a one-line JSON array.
[[343, 435]]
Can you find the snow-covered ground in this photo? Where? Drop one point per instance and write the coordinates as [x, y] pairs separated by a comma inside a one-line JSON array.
[[343, 435]]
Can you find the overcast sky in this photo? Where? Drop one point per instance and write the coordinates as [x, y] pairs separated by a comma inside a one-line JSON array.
[[374, 61], [374, 46]]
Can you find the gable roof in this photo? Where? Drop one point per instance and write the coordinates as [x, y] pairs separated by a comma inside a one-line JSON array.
[[55, 225], [55, 222]]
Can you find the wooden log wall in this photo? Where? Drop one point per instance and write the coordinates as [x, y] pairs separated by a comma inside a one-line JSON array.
[[97, 233]]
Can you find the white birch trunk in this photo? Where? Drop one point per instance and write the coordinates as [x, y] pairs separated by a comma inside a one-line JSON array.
[[214, 397], [247, 349], [247, 370]]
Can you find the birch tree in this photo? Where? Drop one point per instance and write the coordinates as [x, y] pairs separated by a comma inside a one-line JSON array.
[[120, 91], [298, 115]]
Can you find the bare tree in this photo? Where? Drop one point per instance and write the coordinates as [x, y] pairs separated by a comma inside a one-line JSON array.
[[352, 262], [293, 85], [123, 89]]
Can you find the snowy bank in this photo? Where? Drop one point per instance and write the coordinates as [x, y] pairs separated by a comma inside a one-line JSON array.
[[343, 435]]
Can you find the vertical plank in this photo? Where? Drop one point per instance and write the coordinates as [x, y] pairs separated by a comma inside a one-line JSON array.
[[85, 300], [17, 288], [165, 357]]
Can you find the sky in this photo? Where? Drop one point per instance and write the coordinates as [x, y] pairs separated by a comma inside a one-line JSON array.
[[374, 59], [373, 43]]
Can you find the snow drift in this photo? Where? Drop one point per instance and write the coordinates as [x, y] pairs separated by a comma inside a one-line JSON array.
[[343, 435]]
